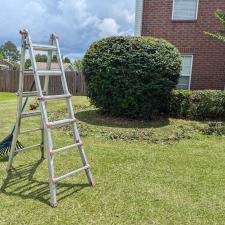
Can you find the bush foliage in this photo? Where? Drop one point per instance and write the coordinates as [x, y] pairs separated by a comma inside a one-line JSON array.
[[131, 76], [198, 104]]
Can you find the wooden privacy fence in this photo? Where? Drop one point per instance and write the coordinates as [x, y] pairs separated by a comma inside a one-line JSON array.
[[9, 82]]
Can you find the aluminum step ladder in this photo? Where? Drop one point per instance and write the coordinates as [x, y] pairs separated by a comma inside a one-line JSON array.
[[46, 127]]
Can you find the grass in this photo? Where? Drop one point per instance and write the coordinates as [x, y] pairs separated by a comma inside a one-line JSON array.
[[160, 172]]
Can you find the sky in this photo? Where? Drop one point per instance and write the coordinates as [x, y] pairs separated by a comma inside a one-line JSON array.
[[77, 22]]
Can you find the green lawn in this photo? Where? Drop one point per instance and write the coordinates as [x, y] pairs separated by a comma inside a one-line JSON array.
[[161, 172]]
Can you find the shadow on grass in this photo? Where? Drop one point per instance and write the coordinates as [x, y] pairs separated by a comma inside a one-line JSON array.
[[94, 118], [4, 159], [21, 183]]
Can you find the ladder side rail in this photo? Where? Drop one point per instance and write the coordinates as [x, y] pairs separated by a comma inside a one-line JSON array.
[[48, 67], [60, 62], [66, 91], [19, 103], [47, 131], [71, 114], [44, 134]]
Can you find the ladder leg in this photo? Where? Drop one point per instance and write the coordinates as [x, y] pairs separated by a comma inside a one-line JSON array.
[[12, 150], [85, 163], [71, 115], [52, 183], [15, 134], [46, 89], [47, 131], [42, 148], [19, 108]]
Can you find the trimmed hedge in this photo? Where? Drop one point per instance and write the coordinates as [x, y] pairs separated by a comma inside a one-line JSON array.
[[131, 76], [198, 104]]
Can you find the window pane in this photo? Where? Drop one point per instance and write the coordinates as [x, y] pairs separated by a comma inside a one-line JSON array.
[[186, 65], [185, 9], [183, 83], [185, 76]]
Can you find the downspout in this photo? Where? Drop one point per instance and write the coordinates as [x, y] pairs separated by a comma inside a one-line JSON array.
[[138, 17]]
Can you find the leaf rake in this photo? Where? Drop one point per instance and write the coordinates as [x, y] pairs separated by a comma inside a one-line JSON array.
[[6, 143]]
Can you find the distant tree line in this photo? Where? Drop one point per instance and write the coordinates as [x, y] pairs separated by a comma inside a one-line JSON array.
[[9, 52], [44, 58]]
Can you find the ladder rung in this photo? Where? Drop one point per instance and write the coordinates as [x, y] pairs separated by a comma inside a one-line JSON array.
[[65, 148], [49, 72], [60, 123], [29, 147], [54, 97], [28, 72], [70, 174], [30, 93], [30, 114], [30, 131], [38, 47]]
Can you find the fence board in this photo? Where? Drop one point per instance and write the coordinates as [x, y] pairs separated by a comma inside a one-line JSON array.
[[9, 82]]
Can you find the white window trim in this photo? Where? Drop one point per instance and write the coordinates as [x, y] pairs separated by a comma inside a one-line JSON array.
[[196, 16], [190, 75]]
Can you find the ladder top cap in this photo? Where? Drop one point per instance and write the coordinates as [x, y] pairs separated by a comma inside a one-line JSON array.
[[55, 36], [23, 32]]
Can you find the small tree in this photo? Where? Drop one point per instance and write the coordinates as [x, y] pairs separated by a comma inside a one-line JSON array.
[[78, 64], [66, 60], [41, 58], [27, 64], [54, 58], [10, 52], [1, 56], [220, 16]]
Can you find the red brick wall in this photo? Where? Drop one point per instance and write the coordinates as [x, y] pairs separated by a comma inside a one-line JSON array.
[[188, 37]]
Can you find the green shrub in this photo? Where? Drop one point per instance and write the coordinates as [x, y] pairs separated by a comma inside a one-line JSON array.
[[131, 76], [198, 104]]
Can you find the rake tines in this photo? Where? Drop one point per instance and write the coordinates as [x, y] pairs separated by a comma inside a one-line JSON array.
[[5, 146]]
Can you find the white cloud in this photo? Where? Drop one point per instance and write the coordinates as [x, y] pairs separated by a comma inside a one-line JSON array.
[[108, 27], [77, 22]]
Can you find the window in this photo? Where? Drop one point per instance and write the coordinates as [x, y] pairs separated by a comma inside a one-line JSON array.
[[185, 9], [185, 77]]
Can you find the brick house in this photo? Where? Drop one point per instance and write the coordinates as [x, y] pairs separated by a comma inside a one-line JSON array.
[[183, 22]]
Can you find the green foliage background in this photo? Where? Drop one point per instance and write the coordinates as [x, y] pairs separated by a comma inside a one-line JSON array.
[[198, 104]]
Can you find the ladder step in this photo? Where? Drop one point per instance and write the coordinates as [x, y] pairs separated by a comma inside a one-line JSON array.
[[54, 97], [28, 72], [30, 114], [28, 148], [56, 179], [30, 131], [30, 93], [53, 152], [60, 123], [38, 47], [49, 72]]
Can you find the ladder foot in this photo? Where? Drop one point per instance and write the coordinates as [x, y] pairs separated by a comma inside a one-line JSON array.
[[54, 205], [9, 170], [92, 184], [43, 156]]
